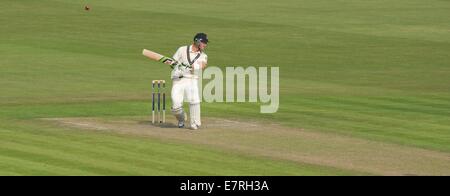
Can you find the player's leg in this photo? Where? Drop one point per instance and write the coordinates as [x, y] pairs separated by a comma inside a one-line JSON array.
[[177, 101], [193, 96], [194, 110]]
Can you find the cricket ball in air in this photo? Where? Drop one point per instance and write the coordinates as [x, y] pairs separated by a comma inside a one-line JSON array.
[[87, 8]]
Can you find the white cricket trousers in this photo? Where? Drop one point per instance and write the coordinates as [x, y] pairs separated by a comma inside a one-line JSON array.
[[187, 89]]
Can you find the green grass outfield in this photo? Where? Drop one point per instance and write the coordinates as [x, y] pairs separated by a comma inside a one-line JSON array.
[[375, 70]]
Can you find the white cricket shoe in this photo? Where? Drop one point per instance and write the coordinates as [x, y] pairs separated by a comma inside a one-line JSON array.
[[195, 127]]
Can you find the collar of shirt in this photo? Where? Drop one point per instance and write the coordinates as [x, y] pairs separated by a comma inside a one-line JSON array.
[[191, 51]]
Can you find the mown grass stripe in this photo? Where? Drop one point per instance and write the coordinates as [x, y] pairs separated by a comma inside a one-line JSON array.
[[354, 128], [336, 111], [25, 166], [144, 158], [59, 158], [175, 161]]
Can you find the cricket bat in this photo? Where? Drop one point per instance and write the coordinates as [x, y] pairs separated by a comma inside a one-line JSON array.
[[161, 58]]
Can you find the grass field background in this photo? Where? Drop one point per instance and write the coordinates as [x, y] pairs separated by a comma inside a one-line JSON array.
[[376, 70]]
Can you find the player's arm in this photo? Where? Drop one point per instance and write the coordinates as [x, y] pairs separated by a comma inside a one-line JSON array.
[[199, 65], [203, 64]]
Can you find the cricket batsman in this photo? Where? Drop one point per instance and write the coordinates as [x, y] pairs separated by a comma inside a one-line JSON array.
[[185, 79]]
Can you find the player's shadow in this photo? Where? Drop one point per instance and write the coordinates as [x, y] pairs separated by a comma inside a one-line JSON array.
[[159, 125]]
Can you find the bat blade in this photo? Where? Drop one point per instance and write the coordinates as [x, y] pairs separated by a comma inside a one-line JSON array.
[[152, 55], [158, 57]]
